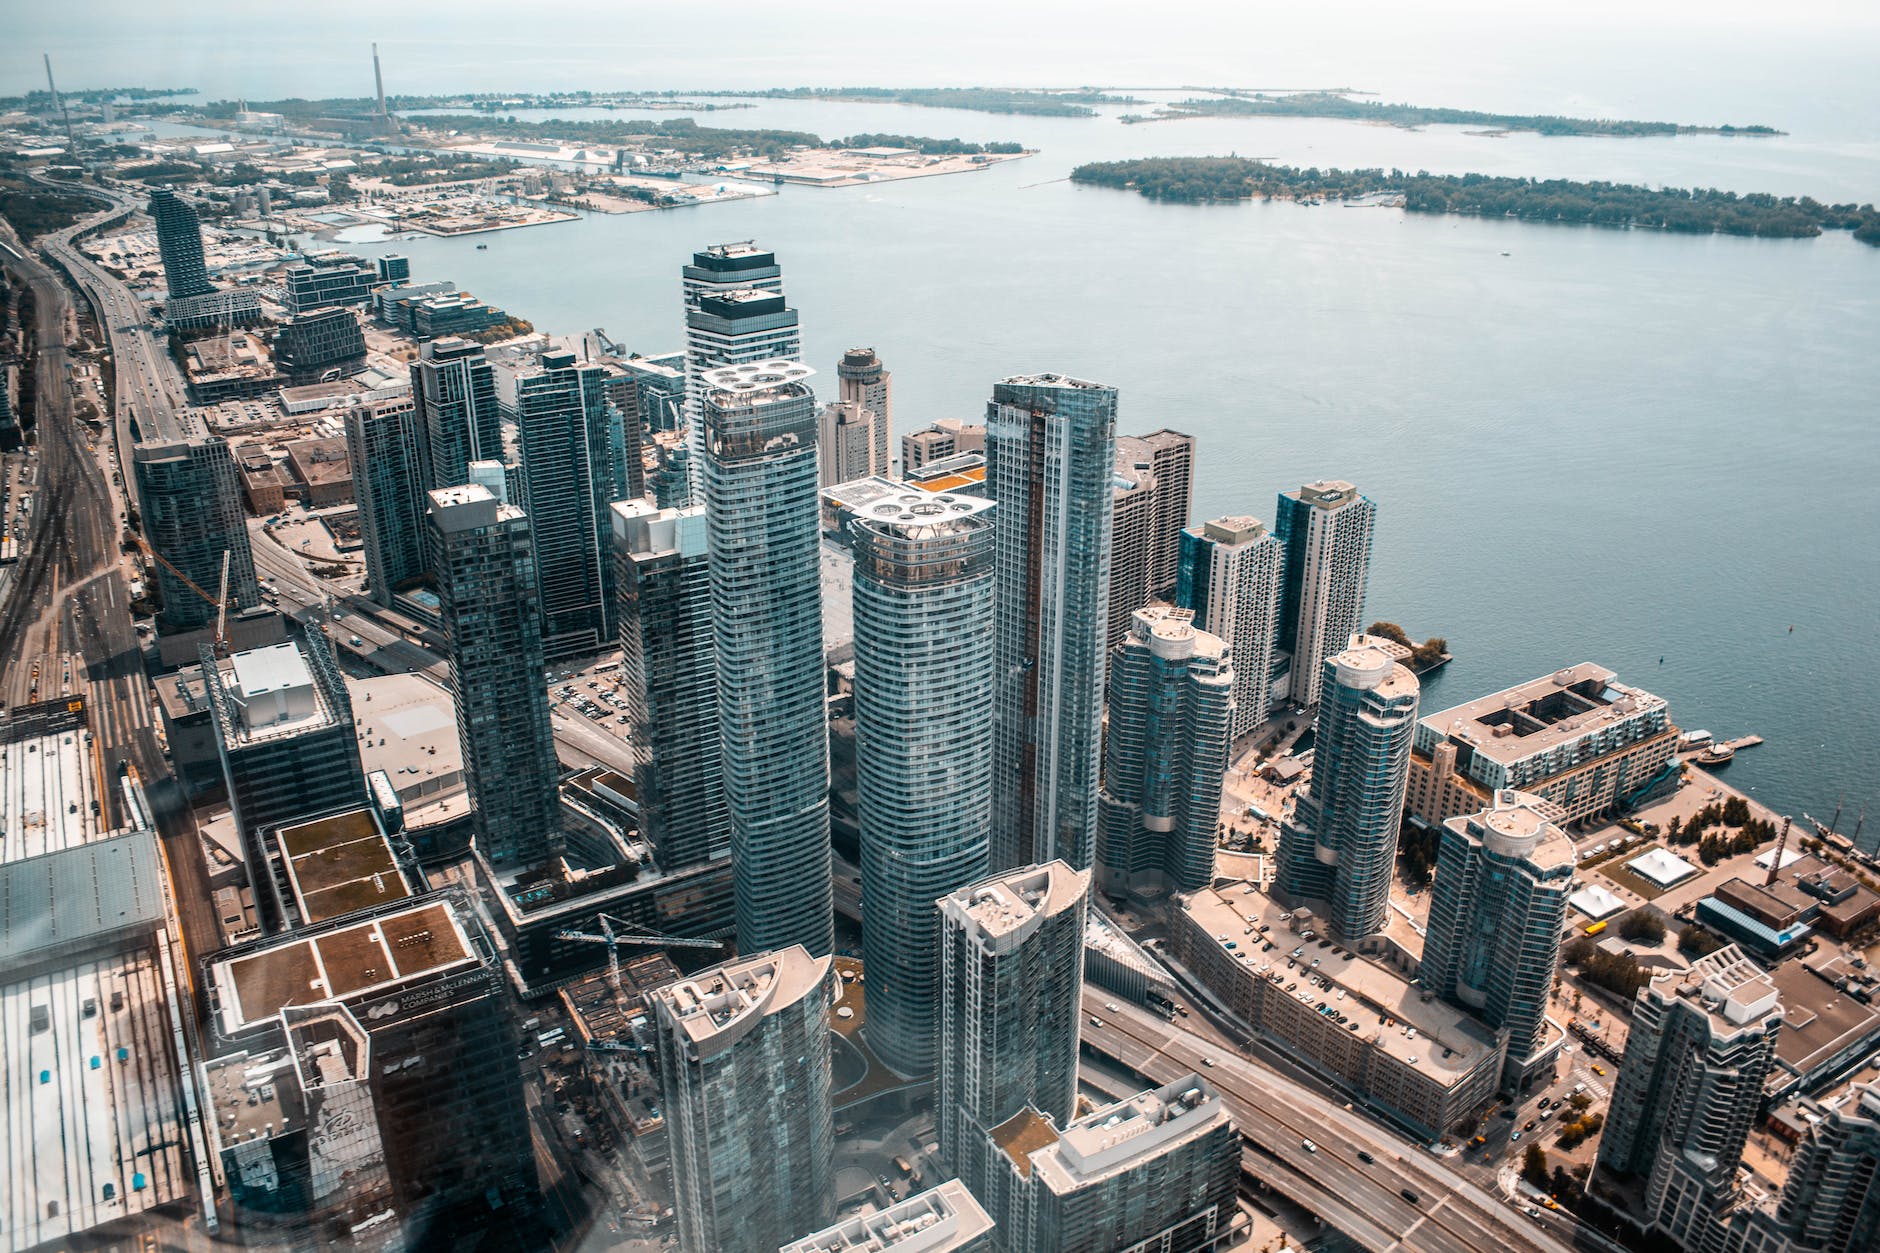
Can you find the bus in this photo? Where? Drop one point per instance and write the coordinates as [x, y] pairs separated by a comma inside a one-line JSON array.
[[1596, 928], [605, 666]]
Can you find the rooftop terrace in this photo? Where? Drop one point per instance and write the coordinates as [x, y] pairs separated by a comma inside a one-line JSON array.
[[1543, 713], [340, 864], [711, 1008]]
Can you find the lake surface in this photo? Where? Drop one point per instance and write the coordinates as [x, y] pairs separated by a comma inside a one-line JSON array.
[[1653, 451]]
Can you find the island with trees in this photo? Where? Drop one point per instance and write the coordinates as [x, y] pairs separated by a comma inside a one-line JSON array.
[[1334, 104], [1700, 211], [1034, 102]]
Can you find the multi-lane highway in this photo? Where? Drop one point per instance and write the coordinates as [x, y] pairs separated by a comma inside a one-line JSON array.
[[1358, 1176]]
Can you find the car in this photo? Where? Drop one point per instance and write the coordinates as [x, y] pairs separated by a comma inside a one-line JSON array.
[[1308, 1146], [1578, 1088], [1112, 1006], [1514, 1137], [1366, 1157], [1528, 1125], [1096, 1022], [1207, 1061], [1599, 1070], [1407, 1195]]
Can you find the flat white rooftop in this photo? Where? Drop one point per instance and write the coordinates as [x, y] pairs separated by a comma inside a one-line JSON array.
[[1662, 867], [92, 1115], [50, 792], [940, 1219], [407, 727]]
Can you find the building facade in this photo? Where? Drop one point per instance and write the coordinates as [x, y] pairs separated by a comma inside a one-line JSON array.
[[1326, 528], [179, 244], [759, 433], [744, 1072], [1832, 1201], [384, 443], [1159, 1171], [327, 280], [1049, 461], [1701, 1043], [735, 314], [923, 747], [949, 437], [865, 383], [568, 480], [943, 1219], [669, 670], [1171, 711], [317, 346], [1011, 979], [1230, 575], [845, 442], [1132, 539], [1170, 456], [1577, 737], [1497, 909], [189, 499], [459, 420], [1339, 848], [487, 589]]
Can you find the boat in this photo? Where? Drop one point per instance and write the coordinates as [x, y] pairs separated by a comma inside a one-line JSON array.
[[1694, 739], [1716, 755], [483, 247]]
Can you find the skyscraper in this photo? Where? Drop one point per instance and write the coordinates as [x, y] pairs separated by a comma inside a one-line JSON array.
[[1171, 707], [865, 383], [1326, 527], [846, 442], [568, 475], [1497, 908], [743, 1052], [761, 508], [1832, 1201], [1011, 978], [284, 731], [1702, 1041], [1048, 464], [1158, 1171], [458, 417], [486, 583], [1132, 538], [923, 747], [734, 315], [189, 497], [1229, 575], [383, 442], [669, 670], [1171, 459], [1340, 845], [179, 244]]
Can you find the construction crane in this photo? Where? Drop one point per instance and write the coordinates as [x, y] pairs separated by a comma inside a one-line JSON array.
[[220, 603], [628, 933]]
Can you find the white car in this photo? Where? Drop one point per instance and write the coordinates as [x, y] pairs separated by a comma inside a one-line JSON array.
[[1308, 1146]]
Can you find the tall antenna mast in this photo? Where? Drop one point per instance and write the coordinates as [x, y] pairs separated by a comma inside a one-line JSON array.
[[58, 103], [378, 80]]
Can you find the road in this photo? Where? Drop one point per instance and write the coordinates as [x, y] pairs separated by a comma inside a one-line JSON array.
[[1364, 1200]]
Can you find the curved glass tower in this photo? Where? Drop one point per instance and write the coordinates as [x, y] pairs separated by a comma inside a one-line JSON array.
[[761, 505], [923, 745], [1340, 845]]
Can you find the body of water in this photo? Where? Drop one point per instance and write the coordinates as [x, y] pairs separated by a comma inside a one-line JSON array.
[[1653, 451]]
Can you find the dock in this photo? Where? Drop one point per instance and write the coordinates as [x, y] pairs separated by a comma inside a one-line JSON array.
[[1747, 741]]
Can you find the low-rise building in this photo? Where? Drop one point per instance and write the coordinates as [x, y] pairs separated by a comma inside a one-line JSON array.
[[948, 437], [943, 1219], [1577, 737], [1363, 1024], [323, 471]]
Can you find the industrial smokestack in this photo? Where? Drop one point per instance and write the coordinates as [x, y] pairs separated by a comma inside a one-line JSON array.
[[378, 79]]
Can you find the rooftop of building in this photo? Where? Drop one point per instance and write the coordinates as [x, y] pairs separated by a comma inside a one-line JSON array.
[[273, 694], [375, 954], [339, 864], [1517, 824], [468, 506], [51, 794], [1172, 633], [1729, 988], [1064, 381], [1232, 529], [1367, 665], [646, 530], [757, 379], [92, 1130], [716, 1007], [1010, 904], [63, 899], [942, 1218], [407, 727], [600, 1013], [1543, 713], [1117, 1137], [1387, 1010], [1023, 1134], [902, 508], [319, 461], [741, 255], [1820, 1021], [1326, 493]]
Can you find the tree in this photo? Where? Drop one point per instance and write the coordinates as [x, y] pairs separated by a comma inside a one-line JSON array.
[[1390, 631], [1699, 941], [1534, 1165], [1645, 924]]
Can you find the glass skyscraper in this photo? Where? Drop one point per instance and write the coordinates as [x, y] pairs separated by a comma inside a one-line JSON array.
[[1171, 704], [1497, 908], [458, 418], [669, 670], [1229, 575], [734, 315], [1326, 528], [761, 509], [189, 495], [383, 443], [1338, 850], [923, 746], [565, 421], [486, 583], [1050, 444], [179, 244]]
